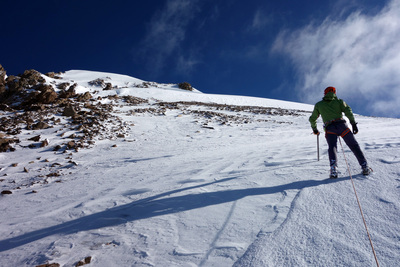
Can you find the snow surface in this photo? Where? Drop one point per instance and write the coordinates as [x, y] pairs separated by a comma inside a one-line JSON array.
[[183, 189]]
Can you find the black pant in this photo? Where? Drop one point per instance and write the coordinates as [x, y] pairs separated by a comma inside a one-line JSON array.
[[340, 128]]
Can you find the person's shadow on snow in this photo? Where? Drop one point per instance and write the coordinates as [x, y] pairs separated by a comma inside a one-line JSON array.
[[154, 206]]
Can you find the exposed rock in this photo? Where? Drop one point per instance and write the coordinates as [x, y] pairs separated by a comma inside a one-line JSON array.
[[5, 144], [49, 265], [6, 192], [15, 85], [2, 75], [32, 146], [108, 86], [53, 174], [32, 77], [47, 94], [44, 94], [146, 85], [29, 121], [69, 111], [72, 136], [63, 86], [84, 97], [44, 143], [72, 87], [98, 82], [87, 260], [185, 86], [2, 80], [71, 145], [53, 75], [13, 92], [134, 100], [35, 138], [40, 125], [69, 93]]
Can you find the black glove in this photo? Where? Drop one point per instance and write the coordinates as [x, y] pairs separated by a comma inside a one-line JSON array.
[[355, 128], [315, 130]]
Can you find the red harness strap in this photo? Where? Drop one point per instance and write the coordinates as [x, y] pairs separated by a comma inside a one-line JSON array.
[[345, 132], [342, 134]]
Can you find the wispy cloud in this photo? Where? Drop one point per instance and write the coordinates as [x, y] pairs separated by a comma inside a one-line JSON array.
[[360, 56], [260, 20], [187, 63], [166, 32]]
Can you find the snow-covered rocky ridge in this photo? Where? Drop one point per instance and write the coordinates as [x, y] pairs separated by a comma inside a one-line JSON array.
[[135, 173]]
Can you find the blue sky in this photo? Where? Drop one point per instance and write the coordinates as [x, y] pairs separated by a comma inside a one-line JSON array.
[[287, 50]]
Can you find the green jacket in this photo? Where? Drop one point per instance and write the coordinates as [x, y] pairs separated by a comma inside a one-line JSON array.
[[330, 108]]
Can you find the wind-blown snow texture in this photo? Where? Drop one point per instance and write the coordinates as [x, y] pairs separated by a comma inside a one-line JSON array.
[[190, 187]]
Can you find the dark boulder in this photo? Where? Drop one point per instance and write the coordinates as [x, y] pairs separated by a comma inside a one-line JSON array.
[[32, 77], [2, 80], [69, 111], [40, 125], [47, 94], [84, 97]]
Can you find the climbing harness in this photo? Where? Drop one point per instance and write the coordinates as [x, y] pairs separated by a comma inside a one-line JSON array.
[[327, 123]]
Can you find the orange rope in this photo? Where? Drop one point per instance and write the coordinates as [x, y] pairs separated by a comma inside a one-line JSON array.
[[359, 205]]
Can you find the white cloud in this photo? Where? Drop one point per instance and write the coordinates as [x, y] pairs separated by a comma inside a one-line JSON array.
[[360, 56], [166, 32]]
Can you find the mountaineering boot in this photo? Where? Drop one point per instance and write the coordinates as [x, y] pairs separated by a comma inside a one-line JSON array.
[[334, 173], [365, 169]]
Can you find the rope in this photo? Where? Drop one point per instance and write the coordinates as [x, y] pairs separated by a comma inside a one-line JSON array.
[[359, 205]]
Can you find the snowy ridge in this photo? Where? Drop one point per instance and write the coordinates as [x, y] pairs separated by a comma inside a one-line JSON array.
[[184, 178], [128, 86]]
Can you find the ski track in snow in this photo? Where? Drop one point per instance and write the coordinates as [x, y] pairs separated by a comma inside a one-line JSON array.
[[175, 194]]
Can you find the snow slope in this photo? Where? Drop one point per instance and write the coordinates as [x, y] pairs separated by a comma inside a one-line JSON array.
[[190, 187]]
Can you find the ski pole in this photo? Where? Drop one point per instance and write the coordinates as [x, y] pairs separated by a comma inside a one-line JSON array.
[[318, 146]]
